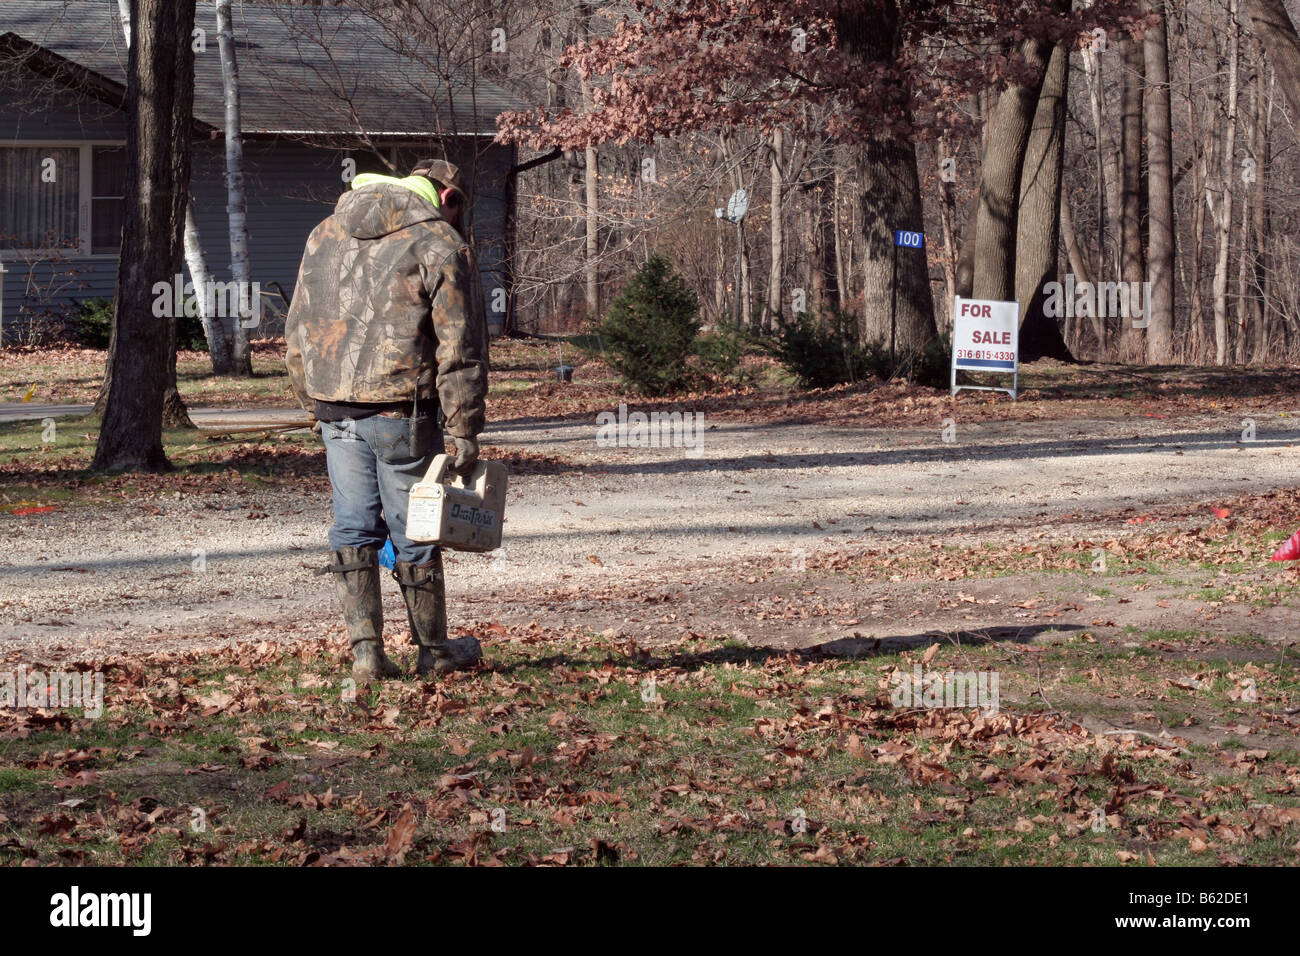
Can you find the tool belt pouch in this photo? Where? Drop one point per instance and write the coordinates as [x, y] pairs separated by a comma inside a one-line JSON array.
[[463, 514]]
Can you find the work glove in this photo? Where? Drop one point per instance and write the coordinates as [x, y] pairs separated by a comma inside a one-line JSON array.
[[466, 455], [315, 425]]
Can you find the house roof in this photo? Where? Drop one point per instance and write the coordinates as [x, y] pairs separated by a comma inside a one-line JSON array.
[[302, 70]]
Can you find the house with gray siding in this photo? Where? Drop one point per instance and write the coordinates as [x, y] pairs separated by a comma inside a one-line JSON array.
[[326, 93]]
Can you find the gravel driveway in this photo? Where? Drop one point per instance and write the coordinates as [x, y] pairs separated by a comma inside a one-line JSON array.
[[123, 577]]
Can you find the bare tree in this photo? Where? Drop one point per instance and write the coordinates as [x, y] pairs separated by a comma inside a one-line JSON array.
[[1160, 189], [1132, 260], [1222, 209], [777, 175], [236, 202]]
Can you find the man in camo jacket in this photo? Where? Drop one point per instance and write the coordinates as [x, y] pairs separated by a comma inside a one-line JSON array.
[[387, 324]]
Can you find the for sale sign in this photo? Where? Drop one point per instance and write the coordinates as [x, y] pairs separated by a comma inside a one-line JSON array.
[[986, 338], [985, 335]]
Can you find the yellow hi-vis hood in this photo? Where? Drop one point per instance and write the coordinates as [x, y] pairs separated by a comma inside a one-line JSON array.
[[416, 184]]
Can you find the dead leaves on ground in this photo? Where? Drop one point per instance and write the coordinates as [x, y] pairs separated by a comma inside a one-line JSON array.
[[813, 776]]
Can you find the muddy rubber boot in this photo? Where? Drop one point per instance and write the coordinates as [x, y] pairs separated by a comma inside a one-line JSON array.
[[424, 589], [356, 572]]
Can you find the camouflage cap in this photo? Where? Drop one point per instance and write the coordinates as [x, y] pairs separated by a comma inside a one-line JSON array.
[[442, 172]]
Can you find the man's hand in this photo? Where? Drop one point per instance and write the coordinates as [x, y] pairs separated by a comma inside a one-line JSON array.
[[466, 455]]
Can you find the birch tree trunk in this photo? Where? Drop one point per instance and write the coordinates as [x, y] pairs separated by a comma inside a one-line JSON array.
[[1223, 212], [236, 204], [213, 332]]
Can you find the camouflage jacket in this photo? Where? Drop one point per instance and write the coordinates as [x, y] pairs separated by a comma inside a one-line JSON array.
[[388, 308]]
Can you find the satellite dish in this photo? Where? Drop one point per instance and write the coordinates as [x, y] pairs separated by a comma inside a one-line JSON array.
[[737, 205]]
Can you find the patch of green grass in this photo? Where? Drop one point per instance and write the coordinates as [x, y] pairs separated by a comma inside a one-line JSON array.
[[701, 752]]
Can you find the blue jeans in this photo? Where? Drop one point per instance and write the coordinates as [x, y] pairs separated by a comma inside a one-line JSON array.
[[371, 472]]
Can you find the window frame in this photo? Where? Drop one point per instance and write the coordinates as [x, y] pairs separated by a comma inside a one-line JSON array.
[[85, 186]]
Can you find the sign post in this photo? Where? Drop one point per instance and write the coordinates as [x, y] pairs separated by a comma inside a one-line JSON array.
[[3, 270], [905, 240], [986, 338]]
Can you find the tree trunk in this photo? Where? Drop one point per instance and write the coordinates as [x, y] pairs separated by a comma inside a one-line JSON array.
[[740, 261], [248, 311], [160, 97], [1223, 211], [1106, 152], [1038, 219], [1243, 263], [1132, 261], [1263, 313], [841, 266], [746, 287], [947, 222], [826, 291], [719, 283], [175, 414], [889, 192], [1082, 269], [218, 351], [778, 232], [590, 266], [1194, 351], [1274, 28], [1246, 256], [1160, 191], [966, 254], [996, 219], [213, 331]]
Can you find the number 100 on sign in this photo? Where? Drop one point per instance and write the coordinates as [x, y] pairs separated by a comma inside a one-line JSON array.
[[909, 240]]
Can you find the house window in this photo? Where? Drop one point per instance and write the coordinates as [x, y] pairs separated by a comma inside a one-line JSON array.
[[108, 190], [65, 198], [39, 189]]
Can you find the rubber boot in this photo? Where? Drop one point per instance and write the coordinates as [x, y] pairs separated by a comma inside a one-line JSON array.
[[424, 589], [356, 573]]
